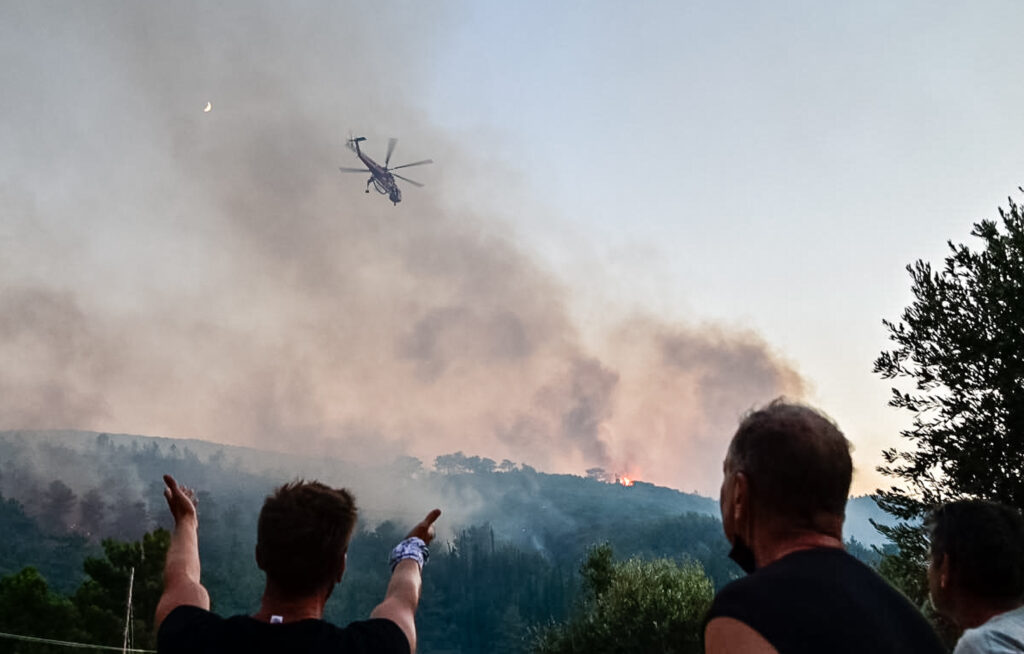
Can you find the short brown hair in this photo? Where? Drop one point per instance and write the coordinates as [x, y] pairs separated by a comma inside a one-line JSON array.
[[985, 545], [303, 532], [796, 461]]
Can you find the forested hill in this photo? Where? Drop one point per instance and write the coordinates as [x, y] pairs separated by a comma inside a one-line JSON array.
[[510, 541], [522, 505]]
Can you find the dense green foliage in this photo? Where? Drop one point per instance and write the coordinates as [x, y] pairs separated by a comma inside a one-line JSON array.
[[28, 606], [96, 613], [481, 592], [101, 599], [56, 556], [639, 605], [960, 345], [488, 584]]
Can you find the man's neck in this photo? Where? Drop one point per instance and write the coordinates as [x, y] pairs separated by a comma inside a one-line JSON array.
[[973, 614], [776, 548], [290, 609]]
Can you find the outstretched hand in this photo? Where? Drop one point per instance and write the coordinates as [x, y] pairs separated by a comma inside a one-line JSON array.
[[181, 500], [425, 529]]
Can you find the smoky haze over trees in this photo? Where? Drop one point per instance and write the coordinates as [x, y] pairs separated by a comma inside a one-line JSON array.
[[102, 485], [115, 490], [210, 275], [506, 558]]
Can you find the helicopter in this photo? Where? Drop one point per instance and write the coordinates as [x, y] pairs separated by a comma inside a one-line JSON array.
[[381, 177]]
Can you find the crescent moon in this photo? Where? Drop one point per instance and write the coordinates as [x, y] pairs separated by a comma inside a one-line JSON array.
[[209, 106]]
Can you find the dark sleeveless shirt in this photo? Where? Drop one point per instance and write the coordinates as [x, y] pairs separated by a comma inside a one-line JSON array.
[[825, 600], [191, 630]]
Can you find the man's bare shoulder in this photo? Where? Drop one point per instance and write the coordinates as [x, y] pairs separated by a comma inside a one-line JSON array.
[[730, 636]]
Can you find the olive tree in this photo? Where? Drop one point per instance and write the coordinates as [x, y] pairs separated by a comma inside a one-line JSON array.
[[633, 606], [958, 354]]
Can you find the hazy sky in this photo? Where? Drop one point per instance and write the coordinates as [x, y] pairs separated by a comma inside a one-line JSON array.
[[642, 221]]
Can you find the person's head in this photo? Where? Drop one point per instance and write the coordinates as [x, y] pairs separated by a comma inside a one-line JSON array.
[[788, 471], [303, 535], [977, 556]]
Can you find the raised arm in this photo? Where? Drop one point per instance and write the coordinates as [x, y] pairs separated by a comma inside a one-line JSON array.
[[181, 571], [403, 595]]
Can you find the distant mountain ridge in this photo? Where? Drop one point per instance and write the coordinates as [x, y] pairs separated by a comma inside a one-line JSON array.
[[522, 505]]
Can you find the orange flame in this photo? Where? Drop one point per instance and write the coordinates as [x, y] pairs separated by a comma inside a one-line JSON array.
[[625, 481]]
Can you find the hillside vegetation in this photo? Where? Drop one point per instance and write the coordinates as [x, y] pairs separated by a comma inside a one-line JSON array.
[[506, 561]]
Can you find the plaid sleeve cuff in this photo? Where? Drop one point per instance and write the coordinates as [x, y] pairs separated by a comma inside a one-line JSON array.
[[410, 548]]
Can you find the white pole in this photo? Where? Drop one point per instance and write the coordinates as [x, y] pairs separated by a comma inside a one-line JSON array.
[[128, 611]]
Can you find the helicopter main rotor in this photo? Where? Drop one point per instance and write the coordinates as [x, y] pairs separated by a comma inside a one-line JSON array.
[[353, 144]]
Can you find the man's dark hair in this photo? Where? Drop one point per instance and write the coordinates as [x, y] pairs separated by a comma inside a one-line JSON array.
[[985, 545], [303, 532], [797, 463]]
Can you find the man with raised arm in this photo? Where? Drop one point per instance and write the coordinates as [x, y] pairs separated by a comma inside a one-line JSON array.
[[302, 544], [787, 477]]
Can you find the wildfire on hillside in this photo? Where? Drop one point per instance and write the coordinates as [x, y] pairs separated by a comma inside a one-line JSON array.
[[625, 481]]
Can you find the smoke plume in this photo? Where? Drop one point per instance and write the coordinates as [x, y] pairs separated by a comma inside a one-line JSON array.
[[212, 275]]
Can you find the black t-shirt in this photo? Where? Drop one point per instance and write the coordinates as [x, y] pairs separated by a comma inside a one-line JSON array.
[[191, 630], [824, 600]]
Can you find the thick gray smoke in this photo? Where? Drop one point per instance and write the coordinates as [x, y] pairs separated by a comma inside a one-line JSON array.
[[212, 275]]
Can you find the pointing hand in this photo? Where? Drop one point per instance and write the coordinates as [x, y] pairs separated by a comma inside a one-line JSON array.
[[425, 529], [181, 500]]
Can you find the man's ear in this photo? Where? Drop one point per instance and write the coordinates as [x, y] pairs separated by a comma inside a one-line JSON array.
[[943, 570]]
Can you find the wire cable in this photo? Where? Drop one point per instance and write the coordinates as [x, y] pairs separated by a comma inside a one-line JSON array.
[[66, 643]]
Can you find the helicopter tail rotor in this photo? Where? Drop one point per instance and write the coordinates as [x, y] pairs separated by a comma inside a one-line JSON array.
[[353, 143]]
